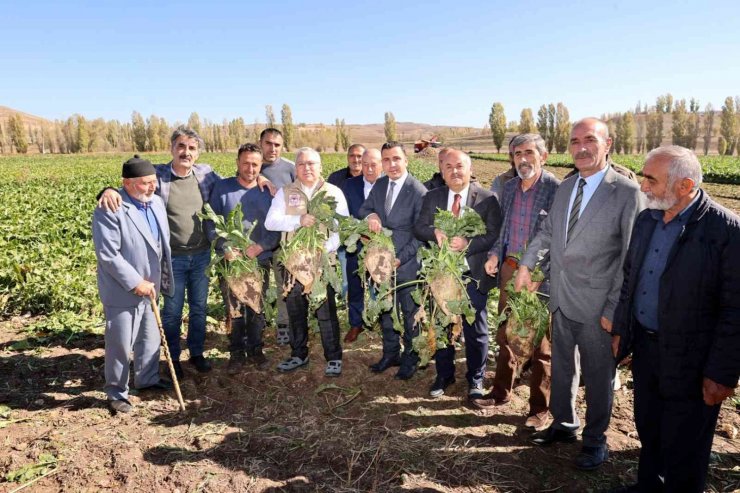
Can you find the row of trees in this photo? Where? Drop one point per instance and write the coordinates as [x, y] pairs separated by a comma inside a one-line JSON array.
[[553, 124], [76, 134], [636, 131]]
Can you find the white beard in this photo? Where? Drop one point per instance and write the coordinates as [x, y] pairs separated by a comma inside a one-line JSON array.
[[526, 176], [661, 204]]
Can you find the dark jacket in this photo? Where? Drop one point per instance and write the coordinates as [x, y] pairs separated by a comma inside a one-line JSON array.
[[354, 191], [486, 205], [435, 181], [400, 220], [698, 302]]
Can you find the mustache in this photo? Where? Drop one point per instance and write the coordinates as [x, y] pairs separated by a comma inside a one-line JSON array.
[[583, 154]]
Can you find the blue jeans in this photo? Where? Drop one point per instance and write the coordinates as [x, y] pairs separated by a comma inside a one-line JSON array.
[[189, 272]]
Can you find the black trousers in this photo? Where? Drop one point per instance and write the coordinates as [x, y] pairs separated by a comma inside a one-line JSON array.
[[476, 342], [391, 338], [297, 305], [676, 435]]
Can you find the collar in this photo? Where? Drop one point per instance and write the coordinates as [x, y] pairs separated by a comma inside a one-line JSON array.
[[401, 179], [367, 183], [596, 177], [310, 191], [190, 171], [463, 194]]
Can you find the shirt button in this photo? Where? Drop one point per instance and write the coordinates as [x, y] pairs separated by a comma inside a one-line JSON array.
[[644, 293], [651, 272]]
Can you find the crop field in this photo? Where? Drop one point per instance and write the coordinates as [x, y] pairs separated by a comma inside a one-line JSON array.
[[260, 430], [716, 169]]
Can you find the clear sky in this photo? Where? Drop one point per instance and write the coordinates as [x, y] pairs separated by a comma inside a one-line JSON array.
[[430, 62]]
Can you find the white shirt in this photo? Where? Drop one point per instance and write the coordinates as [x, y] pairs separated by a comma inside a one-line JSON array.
[[463, 198], [278, 220], [366, 187], [592, 183], [397, 189]]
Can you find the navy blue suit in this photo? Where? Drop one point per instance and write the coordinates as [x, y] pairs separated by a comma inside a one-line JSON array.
[[476, 334], [400, 220], [353, 192]]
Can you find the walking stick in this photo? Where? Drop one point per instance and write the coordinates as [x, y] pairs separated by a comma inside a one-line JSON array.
[[155, 309]]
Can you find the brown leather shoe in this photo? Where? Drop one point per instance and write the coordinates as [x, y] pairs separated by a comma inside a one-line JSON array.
[[352, 334], [538, 421], [488, 401]]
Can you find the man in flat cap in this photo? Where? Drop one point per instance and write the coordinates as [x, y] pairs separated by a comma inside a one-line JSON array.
[[132, 246]]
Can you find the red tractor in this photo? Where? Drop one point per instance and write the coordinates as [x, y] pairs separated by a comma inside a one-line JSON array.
[[422, 144]]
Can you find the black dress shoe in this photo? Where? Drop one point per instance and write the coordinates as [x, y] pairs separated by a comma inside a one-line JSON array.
[[385, 363], [200, 363], [440, 384], [551, 435], [161, 385], [178, 370], [405, 372], [591, 458]]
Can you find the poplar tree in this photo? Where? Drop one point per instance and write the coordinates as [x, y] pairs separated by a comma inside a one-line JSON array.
[[390, 127], [708, 129], [288, 129], [18, 133], [562, 128], [526, 121], [497, 121], [679, 123], [194, 123], [542, 122], [550, 127], [269, 116], [138, 128], [728, 126]]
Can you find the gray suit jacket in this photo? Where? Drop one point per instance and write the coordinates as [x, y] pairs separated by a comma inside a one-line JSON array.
[[403, 215], [128, 254], [586, 275]]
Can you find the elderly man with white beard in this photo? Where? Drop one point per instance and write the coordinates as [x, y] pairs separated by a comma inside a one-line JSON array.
[[679, 316], [524, 204]]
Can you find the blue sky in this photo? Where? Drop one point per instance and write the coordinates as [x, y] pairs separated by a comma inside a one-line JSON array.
[[431, 62]]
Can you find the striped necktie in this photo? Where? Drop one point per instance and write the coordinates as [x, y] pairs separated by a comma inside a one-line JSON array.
[[575, 211], [389, 197]]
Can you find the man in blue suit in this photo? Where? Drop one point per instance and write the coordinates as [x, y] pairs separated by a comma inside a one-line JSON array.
[[134, 262], [395, 203], [356, 190]]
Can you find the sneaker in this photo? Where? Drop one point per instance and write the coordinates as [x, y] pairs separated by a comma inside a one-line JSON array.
[[475, 391], [440, 384], [200, 363], [538, 421], [121, 406], [236, 363], [333, 368], [291, 364]]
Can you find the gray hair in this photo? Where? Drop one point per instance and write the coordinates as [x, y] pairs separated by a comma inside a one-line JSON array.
[[307, 150], [189, 133], [522, 139], [682, 163]]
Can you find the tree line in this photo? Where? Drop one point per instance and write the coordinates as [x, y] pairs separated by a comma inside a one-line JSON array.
[[77, 134], [635, 131]]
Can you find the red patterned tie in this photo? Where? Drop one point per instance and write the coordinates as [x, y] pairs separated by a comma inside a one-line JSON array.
[[456, 205]]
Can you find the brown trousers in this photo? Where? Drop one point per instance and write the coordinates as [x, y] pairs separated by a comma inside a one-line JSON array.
[[507, 365]]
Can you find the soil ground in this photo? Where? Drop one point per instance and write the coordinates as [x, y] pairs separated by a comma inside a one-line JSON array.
[[264, 431]]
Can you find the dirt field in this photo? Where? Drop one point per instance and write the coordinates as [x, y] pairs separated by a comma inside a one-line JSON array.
[[264, 431]]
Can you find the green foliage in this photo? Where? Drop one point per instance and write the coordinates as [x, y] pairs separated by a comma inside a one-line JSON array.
[[441, 292], [497, 122], [231, 231], [46, 463], [728, 126], [48, 266]]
